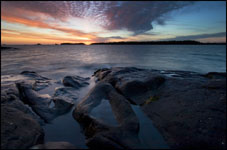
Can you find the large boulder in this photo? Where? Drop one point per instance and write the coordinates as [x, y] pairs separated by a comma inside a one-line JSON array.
[[10, 97], [137, 85], [139, 90], [41, 103], [188, 108], [38, 82], [19, 130], [190, 113], [66, 93]]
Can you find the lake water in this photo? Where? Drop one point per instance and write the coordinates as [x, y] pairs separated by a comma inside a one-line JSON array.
[[57, 61], [66, 59]]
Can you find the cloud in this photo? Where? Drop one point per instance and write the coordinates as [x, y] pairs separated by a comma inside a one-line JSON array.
[[116, 37], [132, 16], [199, 36], [139, 16]]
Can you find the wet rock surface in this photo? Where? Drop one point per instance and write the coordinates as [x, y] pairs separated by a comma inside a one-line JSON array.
[[18, 130], [24, 109], [188, 109], [98, 133], [40, 103], [75, 81], [54, 145]]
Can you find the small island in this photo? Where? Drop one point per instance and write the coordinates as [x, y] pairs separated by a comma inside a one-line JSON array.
[[72, 44]]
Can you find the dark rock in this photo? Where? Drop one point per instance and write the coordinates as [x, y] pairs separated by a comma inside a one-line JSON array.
[[8, 48], [54, 145], [62, 106], [8, 92], [66, 93], [182, 104], [33, 75], [75, 81], [176, 102], [39, 82], [99, 135], [137, 85], [31, 97], [102, 142], [94, 97], [139, 91], [10, 98], [215, 75], [18, 130], [215, 84], [40, 104], [25, 109]]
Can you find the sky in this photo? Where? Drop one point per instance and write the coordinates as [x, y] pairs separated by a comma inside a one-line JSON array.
[[50, 22]]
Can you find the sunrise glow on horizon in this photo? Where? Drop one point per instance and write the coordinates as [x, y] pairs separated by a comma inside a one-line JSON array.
[[55, 22]]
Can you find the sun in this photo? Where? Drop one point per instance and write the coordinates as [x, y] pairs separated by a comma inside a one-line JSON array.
[[87, 43]]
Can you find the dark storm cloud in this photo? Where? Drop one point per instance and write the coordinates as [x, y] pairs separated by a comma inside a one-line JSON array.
[[199, 36], [138, 16], [133, 16]]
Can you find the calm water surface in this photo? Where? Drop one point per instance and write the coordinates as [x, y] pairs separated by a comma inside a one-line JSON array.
[[60, 59]]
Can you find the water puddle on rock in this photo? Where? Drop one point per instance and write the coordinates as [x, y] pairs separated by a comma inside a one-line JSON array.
[[148, 134], [103, 112], [65, 127]]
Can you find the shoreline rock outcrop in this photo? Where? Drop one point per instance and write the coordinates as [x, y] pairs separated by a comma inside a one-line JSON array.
[[24, 110], [187, 108]]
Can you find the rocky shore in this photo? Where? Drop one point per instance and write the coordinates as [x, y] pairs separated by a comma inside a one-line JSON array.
[[187, 109]]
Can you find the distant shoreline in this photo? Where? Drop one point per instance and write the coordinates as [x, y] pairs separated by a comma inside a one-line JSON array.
[[159, 43], [188, 42]]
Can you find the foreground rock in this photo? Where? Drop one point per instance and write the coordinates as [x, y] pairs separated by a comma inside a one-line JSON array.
[[40, 103], [75, 81], [99, 135], [19, 130], [188, 109], [24, 109], [8, 48], [54, 145]]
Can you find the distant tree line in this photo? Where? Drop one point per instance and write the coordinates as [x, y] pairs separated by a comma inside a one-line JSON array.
[[186, 42]]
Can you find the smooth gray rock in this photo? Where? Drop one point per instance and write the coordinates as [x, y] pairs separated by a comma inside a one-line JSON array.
[[40, 104], [137, 85], [188, 108], [38, 82], [66, 93], [19, 130], [99, 134], [31, 97], [75, 81], [10, 97], [33, 75]]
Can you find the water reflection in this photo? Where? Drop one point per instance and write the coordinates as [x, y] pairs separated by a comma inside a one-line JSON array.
[[148, 134], [103, 112]]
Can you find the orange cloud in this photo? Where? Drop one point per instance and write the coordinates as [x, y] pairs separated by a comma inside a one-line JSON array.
[[73, 35], [17, 37]]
